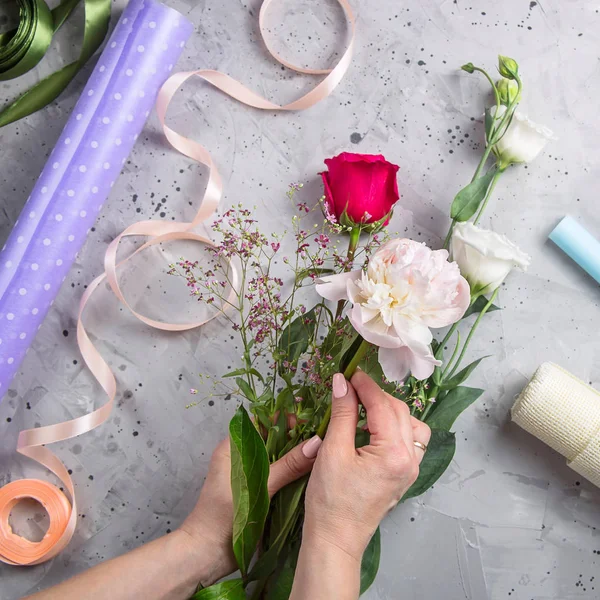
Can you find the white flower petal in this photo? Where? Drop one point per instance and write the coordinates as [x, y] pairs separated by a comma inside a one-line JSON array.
[[484, 257], [523, 139], [334, 287], [372, 330], [394, 363]]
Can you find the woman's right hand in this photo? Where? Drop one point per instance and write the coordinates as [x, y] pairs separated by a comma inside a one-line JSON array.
[[352, 489]]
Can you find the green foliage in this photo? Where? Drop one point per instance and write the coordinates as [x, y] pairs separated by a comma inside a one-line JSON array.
[[467, 201], [280, 583], [226, 590], [249, 476], [245, 389], [461, 376], [370, 562], [453, 404], [349, 353], [478, 306], [440, 451], [240, 372], [283, 518], [277, 436], [296, 337]]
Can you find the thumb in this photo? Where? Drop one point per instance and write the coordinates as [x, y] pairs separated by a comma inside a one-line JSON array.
[[291, 466], [344, 414]]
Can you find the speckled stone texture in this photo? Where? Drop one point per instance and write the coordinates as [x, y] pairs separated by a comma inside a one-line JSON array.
[[508, 519]]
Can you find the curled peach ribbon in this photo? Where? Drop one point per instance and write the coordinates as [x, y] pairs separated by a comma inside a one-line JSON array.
[[14, 549]]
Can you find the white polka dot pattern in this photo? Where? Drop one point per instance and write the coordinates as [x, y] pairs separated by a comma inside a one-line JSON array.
[[77, 178]]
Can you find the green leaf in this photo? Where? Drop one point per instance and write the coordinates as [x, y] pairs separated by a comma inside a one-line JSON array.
[[285, 399], [281, 587], [370, 562], [239, 372], [350, 353], [226, 590], [448, 410], [280, 584], [295, 338], [462, 375], [277, 437], [478, 306], [249, 476], [440, 451], [246, 389], [370, 365], [467, 201], [304, 273], [362, 438], [284, 517]]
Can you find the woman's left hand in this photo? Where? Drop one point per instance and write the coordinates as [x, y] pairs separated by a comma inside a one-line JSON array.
[[210, 524]]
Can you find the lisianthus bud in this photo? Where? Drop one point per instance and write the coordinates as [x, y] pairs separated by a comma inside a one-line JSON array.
[[360, 189], [469, 68], [508, 90], [508, 67]]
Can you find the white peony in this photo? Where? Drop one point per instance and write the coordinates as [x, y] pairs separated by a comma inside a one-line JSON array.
[[523, 139], [406, 289], [485, 258]]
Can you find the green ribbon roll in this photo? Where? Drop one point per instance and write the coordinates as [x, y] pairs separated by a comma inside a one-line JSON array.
[[23, 48]]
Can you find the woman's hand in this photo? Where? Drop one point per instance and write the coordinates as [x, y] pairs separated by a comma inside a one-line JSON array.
[[210, 525], [170, 567], [352, 489]]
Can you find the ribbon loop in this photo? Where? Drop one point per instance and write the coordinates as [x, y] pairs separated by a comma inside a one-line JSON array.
[[31, 441]]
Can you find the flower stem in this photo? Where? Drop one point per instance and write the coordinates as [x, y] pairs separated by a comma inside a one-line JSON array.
[[494, 88], [348, 372], [424, 414], [447, 368], [482, 162], [490, 143], [475, 325], [488, 194], [352, 245], [449, 235]]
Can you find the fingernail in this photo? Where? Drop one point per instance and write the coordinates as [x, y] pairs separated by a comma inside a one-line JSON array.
[[311, 448], [340, 386]]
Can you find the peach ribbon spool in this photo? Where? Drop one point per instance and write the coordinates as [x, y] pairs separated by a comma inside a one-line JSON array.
[[16, 550]]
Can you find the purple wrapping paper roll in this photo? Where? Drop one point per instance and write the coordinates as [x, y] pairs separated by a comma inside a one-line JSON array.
[[81, 170]]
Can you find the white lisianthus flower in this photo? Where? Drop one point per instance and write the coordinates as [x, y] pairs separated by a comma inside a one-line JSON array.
[[523, 139], [406, 290], [484, 257]]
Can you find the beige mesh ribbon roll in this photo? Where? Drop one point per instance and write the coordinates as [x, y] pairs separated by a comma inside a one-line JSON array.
[[563, 412]]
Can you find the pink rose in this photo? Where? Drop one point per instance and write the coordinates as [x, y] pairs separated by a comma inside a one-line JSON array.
[[406, 289], [360, 188]]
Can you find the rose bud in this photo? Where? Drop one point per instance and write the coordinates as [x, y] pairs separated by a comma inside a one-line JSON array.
[[360, 189]]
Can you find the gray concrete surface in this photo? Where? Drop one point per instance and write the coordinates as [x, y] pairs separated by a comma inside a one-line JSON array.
[[509, 519]]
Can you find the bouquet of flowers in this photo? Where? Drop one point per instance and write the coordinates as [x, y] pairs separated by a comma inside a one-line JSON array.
[[378, 301]]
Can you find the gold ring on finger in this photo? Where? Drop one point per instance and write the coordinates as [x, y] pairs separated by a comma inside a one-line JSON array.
[[420, 445]]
